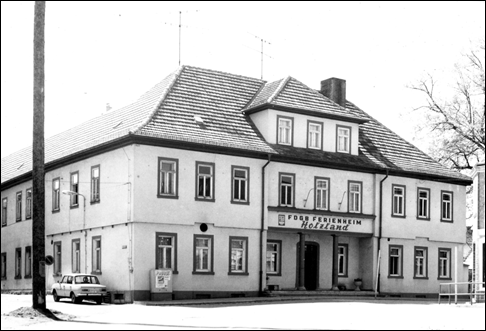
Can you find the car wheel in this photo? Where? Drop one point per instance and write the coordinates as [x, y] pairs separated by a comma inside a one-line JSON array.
[[74, 299], [56, 297], [98, 301]]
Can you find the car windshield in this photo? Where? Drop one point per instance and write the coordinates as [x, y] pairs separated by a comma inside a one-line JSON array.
[[86, 280]]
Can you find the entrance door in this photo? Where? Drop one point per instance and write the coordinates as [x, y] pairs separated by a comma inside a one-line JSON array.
[[311, 266]]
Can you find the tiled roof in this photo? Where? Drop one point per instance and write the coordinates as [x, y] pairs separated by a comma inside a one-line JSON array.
[[168, 111]]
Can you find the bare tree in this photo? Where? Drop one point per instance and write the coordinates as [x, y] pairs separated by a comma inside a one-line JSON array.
[[456, 121]]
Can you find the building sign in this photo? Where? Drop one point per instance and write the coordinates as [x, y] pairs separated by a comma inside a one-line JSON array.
[[162, 278]]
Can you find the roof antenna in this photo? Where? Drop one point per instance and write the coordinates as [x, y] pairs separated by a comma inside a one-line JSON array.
[[261, 52], [180, 19]]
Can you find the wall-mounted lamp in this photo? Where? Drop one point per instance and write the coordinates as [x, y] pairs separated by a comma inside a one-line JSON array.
[[305, 200], [340, 203]]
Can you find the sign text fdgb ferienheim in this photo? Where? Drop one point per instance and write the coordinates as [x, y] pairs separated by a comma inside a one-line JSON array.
[[321, 222]]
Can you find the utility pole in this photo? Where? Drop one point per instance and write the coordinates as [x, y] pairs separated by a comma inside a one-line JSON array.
[[38, 185]]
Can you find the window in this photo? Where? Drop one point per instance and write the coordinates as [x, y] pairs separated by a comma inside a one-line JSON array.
[[446, 213], [423, 205], [57, 259], [203, 254], [28, 203], [18, 207], [18, 263], [421, 264], [4, 266], [95, 184], [238, 259], [398, 200], [168, 179], [166, 254], [444, 263], [343, 139], [74, 187], [343, 260], [285, 134], [395, 262], [4, 211], [354, 201], [314, 137], [96, 255], [241, 178], [205, 181], [76, 255], [274, 257], [322, 193], [286, 189], [28, 262], [56, 194]]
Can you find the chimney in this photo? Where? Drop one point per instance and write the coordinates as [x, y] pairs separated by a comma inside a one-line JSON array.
[[334, 89]]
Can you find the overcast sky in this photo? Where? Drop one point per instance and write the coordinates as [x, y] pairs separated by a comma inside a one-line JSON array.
[[112, 52]]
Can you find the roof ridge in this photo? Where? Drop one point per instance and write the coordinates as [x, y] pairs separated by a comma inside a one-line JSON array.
[[279, 89], [224, 72]]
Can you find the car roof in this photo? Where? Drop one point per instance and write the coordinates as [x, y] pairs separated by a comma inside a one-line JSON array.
[[77, 275]]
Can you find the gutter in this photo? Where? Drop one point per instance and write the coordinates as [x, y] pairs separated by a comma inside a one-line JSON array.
[[260, 289], [380, 228]]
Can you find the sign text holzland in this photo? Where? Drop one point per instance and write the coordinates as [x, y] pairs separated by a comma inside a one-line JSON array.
[[324, 222]]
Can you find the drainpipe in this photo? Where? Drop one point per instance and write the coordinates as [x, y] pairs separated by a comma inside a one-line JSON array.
[[263, 223], [380, 228]]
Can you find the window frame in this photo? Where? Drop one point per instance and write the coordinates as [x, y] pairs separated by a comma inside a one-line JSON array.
[[346, 260], [321, 134], [28, 262], [243, 272], [18, 263], [212, 165], [175, 195], [75, 268], [404, 201], [292, 186], [427, 217], [449, 262], [360, 183], [328, 190], [278, 259], [247, 185], [74, 198], [57, 253], [174, 250], [400, 261], [451, 207], [97, 271], [210, 270], [18, 206], [4, 266], [95, 197], [56, 195], [426, 262], [291, 134], [4, 211], [350, 131], [28, 203]]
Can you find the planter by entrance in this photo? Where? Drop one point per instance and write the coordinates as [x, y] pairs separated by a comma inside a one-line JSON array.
[[358, 283]]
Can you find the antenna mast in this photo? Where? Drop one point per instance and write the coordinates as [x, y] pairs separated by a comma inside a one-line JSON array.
[[180, 19], [262, 41]]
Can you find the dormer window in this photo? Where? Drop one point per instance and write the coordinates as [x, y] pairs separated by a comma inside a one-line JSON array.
[[285, 127], [343, 139], [314, 135]]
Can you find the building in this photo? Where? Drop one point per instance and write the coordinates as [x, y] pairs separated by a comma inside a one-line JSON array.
[[478, 226], [238, 185]]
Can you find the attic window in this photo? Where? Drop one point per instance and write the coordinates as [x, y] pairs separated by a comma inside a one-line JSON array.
[[20, 166], [117, 124]]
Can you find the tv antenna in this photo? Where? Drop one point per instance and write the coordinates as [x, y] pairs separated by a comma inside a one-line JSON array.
[[262, 41]]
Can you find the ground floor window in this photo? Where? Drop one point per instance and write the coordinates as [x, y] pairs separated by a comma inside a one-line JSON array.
[[420, 266], [444, 263], [76, 257], [274, 257], [165, 255], [203, 254], [395, 262], [57, 258], [238, 255], [343, 260], [4, 265], [96, 255], [18, 263], [28, 262]]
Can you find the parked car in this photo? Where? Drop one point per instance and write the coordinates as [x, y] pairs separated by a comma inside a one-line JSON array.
[[79, 287]]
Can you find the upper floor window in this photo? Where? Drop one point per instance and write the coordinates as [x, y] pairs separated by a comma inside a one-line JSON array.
[[95, 183], [343, 139], [56, 194], [28, 203], [286, 189], [314, 138], [398, 200], [4, 211], [241, 178], [446, 212], [18, 207], [423, 203], [168, 179], [285, 130], [274, 257], [166, 257], [74, 187], [355, 196], [322, 193], [204, 181]]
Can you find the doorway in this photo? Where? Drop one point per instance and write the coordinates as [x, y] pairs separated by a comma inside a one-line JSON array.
[[311, 281]]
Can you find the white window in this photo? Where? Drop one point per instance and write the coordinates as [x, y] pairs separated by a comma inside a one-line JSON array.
[[322, 193], [18, 206], [286, 190], [273, 257], [165, 251], [420, 262], [56, 194], [28, 203], [167, 177], [343, 139], [285, 131], [74, 188], [444, 263], [240, 185], [315, 135], [57, 258], [447, 206], [76, 257], [342, 260], [238, 256], [96, 254], [398, 200], [205, 181], [95, 184], [354, 197], [423, 203], [395, 261], [203, 254]]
